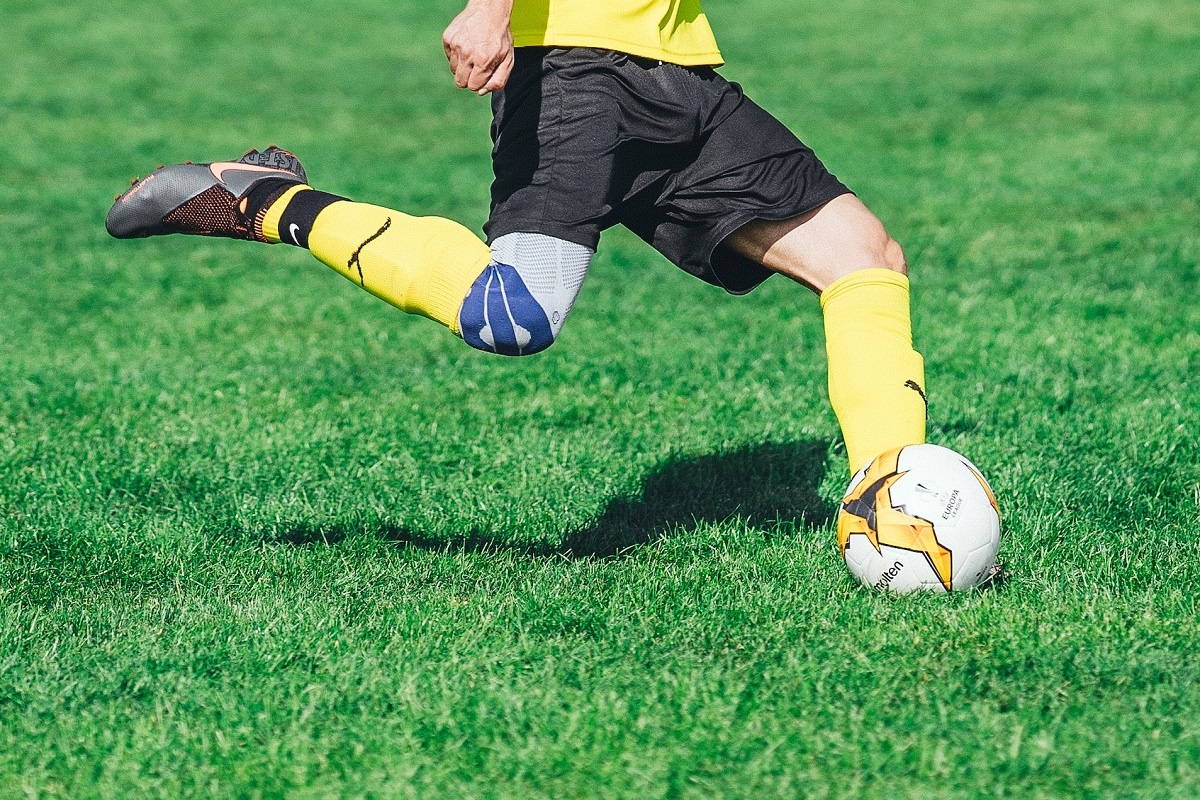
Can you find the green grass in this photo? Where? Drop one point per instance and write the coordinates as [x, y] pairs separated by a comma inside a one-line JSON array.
[[261, 535]]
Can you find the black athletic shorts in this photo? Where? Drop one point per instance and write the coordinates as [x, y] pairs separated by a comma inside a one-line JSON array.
[[585, 139]]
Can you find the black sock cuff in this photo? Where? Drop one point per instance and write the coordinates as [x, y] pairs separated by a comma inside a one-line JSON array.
[[297, 220], [263, 193]]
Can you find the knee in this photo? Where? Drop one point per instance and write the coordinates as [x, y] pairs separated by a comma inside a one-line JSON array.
[[874, 251], [500, 315], [876, 247], [893, 256], [519, 303]]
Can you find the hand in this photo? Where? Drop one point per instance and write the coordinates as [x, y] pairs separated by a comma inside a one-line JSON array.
[[479, 45]]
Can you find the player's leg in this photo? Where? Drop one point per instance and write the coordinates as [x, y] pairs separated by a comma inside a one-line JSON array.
[[423, 265], [876, 378], [756, 200], [511, 298]]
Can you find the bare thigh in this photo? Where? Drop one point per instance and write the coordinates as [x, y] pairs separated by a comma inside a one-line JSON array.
[[819, 247]]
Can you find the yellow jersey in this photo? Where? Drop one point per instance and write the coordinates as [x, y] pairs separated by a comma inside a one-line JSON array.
[[667, 30]]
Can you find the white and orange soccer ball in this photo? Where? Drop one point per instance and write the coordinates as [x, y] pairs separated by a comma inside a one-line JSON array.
[[919, 517]]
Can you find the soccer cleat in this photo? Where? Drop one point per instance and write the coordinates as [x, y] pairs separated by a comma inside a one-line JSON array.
[[996, 578], [205, 199]]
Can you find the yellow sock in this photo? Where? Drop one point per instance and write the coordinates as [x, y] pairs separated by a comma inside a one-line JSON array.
[[422, 265], [876, 379]]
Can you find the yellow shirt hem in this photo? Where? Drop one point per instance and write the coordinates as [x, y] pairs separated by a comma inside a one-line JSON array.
[[543, 39]]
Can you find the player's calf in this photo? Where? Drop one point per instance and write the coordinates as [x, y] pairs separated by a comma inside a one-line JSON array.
[[876, 379], [511, 299]]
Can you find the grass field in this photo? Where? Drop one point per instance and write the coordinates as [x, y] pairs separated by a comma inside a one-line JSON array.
[[261, 535]]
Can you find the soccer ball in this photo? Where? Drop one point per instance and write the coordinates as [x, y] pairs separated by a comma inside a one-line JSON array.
[[919, 517]]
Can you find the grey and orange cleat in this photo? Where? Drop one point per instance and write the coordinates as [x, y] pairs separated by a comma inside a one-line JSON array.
[[206, 199]]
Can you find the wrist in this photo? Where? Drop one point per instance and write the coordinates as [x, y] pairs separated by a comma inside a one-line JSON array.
[[494, 8]]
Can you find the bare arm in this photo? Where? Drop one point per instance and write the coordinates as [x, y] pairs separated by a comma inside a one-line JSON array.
[[479, 45]]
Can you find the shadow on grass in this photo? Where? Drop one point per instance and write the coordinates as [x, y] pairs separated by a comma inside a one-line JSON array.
[[765, 485]]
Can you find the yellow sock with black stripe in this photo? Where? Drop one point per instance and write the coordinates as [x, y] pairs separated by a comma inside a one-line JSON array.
[[876, 379], [422, 265]]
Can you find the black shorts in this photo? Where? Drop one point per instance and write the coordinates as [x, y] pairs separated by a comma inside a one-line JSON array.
[[585, 139]]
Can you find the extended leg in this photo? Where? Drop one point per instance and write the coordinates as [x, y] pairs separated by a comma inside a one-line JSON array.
[[511, 299]]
